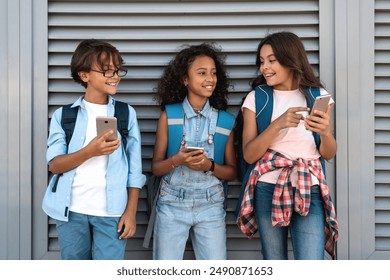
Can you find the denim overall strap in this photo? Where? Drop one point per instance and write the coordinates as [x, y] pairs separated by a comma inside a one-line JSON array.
[[212, 128]]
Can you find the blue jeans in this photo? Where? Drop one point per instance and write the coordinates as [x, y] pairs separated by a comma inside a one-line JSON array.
[[86, 237], [190, 211], [307, 233]]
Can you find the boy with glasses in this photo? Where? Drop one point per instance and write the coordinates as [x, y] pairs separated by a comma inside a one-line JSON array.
[[93, 195]]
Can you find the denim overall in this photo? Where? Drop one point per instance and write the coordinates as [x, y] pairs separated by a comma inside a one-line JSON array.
[[191, 202]]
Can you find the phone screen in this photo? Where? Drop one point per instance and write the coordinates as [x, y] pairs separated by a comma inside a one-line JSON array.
[[191, 149]]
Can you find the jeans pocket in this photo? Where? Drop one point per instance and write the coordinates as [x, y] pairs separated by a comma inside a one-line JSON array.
[[168, 195], [217, 195]]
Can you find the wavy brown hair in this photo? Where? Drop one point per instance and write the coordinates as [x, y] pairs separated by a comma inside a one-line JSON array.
[[171, 88], [290, 52]]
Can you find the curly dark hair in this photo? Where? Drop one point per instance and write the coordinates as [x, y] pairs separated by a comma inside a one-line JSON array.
[[290, 52], [92, 51], [171, 89]]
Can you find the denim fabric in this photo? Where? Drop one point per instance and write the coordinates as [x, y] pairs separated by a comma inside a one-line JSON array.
[[86, 237], [191, 203], [307, 232], [123, 170], [196, 211]]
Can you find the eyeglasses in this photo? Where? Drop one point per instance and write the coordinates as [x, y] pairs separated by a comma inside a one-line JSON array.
[[111, 73]]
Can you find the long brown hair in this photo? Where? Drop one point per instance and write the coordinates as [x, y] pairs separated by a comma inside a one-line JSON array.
[[290, 52]]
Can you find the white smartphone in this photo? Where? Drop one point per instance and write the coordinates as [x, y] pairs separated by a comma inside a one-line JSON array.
[[190, 149], [105, 124], [321, 103]]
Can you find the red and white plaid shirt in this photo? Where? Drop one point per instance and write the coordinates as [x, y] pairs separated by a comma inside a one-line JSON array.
[[283, 201]]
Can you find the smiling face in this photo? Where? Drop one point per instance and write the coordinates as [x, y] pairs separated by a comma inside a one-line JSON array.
[[99, 86], [276, 75], [201, 79]]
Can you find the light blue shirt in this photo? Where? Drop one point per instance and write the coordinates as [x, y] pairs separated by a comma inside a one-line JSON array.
[[124, 170]]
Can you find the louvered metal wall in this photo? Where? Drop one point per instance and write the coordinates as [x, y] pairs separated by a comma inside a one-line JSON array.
[[148, 34], [382, 125]]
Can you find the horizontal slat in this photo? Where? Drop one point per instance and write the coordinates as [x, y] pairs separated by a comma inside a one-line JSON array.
[[382, 17], [163, 46], [206, 33], [382, 190], [382, 110], [382, 244], [382, 97], [182, 20], [382, 151], [383, 69], [383, 203], [382, 217], [382, 136], [146, 65], [382, 177], [381, 44], [382, 164], [382, 5], [382, 230], [382, 57], [382, 30], [382, 83], [178, 7]]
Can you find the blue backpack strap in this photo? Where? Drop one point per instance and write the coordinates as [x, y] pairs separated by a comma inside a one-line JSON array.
[[69, 117], [68, 121], [122, 116], [312, 93], [225, 124], [175, 115], [264, 105], [224, 127]]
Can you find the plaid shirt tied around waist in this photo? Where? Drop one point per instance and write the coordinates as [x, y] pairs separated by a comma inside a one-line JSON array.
[[283, 201]]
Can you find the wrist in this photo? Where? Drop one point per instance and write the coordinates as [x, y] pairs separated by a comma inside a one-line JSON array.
[[212, 167], [172, 162]]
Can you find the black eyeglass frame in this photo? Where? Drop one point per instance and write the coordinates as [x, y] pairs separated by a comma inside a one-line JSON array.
[[118, 72]]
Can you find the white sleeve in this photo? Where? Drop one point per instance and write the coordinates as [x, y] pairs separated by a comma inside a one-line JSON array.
[[250, 102]]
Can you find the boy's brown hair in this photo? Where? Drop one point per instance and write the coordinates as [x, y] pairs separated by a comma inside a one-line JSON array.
[[90, 52]]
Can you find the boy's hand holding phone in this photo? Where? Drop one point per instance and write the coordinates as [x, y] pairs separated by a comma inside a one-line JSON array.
[[105, 124]]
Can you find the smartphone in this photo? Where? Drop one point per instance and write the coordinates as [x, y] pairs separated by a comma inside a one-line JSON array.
[[190, 149], [105, 124], [321, 103]]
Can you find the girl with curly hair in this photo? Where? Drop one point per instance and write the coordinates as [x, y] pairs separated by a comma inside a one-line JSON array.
[[191, 199]]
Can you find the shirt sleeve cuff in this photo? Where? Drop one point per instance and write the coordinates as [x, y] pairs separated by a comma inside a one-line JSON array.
[[136, 181]]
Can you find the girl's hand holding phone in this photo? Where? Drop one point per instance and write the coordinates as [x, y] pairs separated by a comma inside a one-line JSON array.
[[192, 157], [319, 121]]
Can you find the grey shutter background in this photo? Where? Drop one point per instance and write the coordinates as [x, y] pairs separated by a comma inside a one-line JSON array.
[[148, 34], [382, 126]]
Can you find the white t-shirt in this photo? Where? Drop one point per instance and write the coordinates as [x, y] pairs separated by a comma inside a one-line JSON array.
[[293, 142], [89, 183]]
